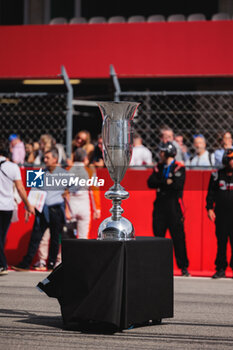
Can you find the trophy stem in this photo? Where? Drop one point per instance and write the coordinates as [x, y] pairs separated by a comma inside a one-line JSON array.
[[116, 209], [116, 193]]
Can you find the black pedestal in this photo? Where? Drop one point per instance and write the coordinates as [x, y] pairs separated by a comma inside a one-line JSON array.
[[113, 283]]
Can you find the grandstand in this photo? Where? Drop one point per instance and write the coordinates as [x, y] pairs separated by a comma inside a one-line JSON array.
[[186, 48]]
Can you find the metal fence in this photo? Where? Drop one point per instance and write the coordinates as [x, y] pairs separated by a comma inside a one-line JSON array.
[[187, 113], [31, 115]]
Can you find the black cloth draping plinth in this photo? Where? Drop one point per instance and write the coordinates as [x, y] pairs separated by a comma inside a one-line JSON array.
[[118, 283]]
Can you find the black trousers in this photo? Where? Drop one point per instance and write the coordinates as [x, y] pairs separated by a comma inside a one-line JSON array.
[[224, 230], [167, 214], [55, 224], [5, 220]]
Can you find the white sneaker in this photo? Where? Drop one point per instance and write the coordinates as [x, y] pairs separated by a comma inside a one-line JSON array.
[[3, 271], [40, 266]]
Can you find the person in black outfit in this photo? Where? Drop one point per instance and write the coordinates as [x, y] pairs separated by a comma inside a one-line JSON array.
[[98, 153], [168, 178], [219, 205]]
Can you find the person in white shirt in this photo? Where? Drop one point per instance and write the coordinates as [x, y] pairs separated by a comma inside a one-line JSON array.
[[141, 155], [202, 157], [9, 176]]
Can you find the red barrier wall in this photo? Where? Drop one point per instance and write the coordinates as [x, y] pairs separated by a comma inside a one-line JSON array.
[[136, 49], [200, 236]]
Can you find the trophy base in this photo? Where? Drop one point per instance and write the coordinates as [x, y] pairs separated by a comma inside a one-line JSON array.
[[116, 230]]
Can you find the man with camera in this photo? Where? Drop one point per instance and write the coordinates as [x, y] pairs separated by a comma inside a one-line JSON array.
[[168, 178]]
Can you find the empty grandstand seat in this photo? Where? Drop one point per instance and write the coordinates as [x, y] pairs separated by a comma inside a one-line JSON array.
[[136, 19], [58, 20], [176, 18], [117, 19], [97, 19], [78, 20], [156, 18], [221, 16], [196, 17]]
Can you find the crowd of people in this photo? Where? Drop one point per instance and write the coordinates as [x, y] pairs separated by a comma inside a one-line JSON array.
[[32, 153], [168, 178], [60, 205], [199, 157]]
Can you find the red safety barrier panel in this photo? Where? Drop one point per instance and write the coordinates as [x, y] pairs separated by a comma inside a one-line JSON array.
[[200, 231]]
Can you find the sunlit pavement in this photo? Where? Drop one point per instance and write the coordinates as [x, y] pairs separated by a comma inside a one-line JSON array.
[[203, 319]]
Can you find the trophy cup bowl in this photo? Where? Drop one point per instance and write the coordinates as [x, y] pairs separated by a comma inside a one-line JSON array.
[[117, 151]]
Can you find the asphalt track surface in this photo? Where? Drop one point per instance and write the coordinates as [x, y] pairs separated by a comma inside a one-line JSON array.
[[31, 320]]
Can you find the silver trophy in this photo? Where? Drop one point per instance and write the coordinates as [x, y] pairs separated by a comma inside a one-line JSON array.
[[117, 152]]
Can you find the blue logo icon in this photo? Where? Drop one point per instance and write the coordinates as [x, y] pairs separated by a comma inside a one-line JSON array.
[[35, 178]]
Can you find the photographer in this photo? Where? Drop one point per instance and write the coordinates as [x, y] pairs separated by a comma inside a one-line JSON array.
[[168, 178]]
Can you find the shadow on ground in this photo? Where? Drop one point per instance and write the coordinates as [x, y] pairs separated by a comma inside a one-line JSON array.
[[32, 318], [90, 327]]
